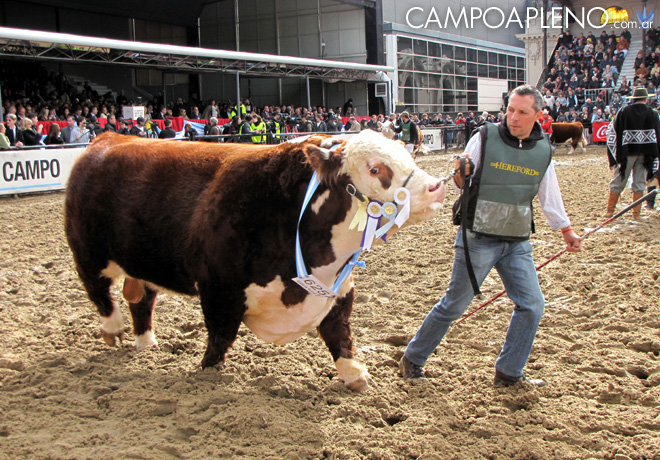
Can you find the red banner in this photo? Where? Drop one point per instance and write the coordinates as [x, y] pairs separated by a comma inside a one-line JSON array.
[[599, 131]]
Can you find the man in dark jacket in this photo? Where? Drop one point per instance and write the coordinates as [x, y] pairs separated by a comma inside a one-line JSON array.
[[167, 132], [632, 147]]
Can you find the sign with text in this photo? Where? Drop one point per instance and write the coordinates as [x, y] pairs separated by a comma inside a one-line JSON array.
[[25, 171], [599, 130]]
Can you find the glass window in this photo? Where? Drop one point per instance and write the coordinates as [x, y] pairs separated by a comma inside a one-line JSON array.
[[419, 47], [501, 73], [483, 70], [461, 83], [521, 62], [512, 61], [461, 99], [520, 74], [447, 66], [460, 68], [472, 69], [483, 57], [435, 49], [492, 58], [448, 82], [492, 71], [472, 84], [406, 95], [435, 98], [512, 74], [448, 51], [435, 65], [421, 64], [405, 61], [472, 100], [405, 78], [435, 81], [471, 55], [421, 80], [447, 98], [404, 45], [459, 53]]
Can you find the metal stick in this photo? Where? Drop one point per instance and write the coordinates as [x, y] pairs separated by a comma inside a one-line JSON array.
[[616, 216]]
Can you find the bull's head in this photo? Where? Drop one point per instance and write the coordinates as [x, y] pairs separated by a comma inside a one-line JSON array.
[[377, 167]]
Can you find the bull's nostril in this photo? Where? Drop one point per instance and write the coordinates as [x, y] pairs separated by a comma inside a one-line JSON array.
[[434, 187]]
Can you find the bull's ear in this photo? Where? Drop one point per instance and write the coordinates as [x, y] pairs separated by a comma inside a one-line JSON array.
[[326, 162]]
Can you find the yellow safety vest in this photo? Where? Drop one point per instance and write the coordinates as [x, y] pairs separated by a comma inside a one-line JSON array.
[[260, 139]]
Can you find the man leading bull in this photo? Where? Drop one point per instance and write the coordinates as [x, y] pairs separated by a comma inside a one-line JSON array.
[[512, 164]]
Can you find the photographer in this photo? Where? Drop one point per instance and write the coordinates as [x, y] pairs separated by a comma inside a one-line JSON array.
[[305, 125], [275, 128], [259, 127], [332, 124], [245, 131]]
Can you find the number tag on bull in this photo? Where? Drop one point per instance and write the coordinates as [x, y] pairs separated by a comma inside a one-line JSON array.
[[312, 285]]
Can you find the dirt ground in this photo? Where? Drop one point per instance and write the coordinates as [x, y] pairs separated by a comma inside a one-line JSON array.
[[64, 394]]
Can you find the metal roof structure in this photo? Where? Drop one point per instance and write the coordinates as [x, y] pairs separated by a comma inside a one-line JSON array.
[[33, 44]]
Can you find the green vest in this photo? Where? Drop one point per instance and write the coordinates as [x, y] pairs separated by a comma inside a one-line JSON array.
[[260, 139], [508, 182], [405, 131]]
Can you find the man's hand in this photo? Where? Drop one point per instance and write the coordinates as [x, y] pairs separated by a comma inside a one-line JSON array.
[[573, 241], [458, 180]]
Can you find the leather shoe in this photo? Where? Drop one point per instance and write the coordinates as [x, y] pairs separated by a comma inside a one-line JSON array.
[[409, 370], [503, 380]]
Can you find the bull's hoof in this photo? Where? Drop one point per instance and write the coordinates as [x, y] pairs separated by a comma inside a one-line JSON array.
[[146, 340], [361, 384], [113, 340]]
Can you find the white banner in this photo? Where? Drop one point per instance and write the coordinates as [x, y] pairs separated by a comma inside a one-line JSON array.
[[25, 171], [432, 138]]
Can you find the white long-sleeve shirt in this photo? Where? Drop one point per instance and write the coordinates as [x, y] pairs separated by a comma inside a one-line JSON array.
[[549, 193]]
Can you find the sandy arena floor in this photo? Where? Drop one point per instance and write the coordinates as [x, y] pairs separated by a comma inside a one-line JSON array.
[[65, 395]]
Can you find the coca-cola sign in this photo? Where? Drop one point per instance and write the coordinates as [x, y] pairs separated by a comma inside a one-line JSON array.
[[600, 131]]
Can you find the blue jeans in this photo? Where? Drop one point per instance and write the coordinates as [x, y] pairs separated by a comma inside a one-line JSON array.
[[515, 265]]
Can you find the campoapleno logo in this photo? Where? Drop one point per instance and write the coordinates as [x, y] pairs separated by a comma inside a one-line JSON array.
[[495, 18]]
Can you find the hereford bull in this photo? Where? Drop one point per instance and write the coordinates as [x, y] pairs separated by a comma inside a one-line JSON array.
[[569, 133], [219, 221]]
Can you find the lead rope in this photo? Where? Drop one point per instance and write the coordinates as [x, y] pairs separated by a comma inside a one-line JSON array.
[[465, 199]]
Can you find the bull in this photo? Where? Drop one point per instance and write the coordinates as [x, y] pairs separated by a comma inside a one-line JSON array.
[[227, 222], [569, 133]]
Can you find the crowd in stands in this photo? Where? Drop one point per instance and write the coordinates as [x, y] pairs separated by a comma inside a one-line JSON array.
[[583, 80], [81, 113]]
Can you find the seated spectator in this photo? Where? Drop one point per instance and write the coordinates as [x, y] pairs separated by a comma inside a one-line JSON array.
[[167, 132], [138, 128], [13, 132], [189, 132], [598, 116], [4, 142], [546, 121], [53, 136], [642, 71], [111, 124], [195, 113], [30, 135]]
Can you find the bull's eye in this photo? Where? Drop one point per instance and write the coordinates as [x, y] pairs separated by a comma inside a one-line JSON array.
[[374, 171]]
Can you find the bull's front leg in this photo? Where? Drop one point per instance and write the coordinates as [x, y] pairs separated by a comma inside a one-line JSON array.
[[223, 313], [336, 332]]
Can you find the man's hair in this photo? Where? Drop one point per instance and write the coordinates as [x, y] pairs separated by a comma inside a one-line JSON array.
[[529, 90], [167, 122]]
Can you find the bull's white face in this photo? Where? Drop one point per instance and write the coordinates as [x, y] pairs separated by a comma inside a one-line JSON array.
[[378, 166]]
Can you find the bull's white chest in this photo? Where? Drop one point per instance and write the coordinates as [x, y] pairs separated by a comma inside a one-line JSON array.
[[274, 322]]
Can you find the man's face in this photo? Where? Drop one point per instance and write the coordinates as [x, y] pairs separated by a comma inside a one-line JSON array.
[[71, 122], [10, 122], [521, 115]]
